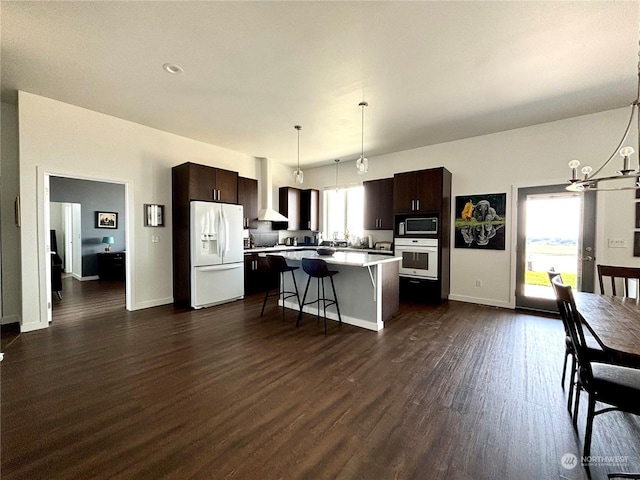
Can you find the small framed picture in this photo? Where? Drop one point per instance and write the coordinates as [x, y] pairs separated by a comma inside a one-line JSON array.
[[153, 215], [106, 220]]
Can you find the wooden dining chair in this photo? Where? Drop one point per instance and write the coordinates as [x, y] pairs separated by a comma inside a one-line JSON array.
[[568, 350], [614, 273], [613, 385], [595, 350]]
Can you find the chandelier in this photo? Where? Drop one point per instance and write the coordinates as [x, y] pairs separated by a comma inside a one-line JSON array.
[[298, 174], [626, 178], [362, 164]]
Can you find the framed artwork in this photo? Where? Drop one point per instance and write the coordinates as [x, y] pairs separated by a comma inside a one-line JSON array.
[[153, 215], [106, 220], [636, 244], [481, 221]]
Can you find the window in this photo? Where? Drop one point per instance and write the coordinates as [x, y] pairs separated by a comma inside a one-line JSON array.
[[343, 212]]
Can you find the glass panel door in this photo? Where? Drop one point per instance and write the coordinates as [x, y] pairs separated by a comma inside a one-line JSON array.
[[556, 230]]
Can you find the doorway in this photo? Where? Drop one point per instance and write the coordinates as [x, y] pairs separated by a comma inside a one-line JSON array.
[[555, 231], [80, 238]]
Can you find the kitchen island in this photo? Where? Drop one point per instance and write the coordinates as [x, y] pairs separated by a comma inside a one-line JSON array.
[[367, 286]]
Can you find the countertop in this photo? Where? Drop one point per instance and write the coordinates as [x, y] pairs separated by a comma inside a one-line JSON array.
[[350, 258], [285, 248]]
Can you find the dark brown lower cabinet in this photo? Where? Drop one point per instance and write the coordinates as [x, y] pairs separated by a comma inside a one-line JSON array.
[[111, 265], [258, 277]]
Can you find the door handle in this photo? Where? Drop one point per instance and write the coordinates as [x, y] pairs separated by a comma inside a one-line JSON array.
[[588, 258]]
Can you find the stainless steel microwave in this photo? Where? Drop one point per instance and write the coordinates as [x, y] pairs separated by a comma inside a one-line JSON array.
[[421, 226]]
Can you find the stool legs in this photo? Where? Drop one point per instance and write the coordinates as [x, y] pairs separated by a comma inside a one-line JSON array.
[[322, 299], [304, 297], [266, 295], [335, 298], [282, 293]]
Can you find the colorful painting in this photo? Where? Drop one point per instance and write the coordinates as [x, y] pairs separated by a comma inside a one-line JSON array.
[[481, 221]]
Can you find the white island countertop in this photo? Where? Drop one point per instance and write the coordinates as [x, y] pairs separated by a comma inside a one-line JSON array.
[[352, 259]]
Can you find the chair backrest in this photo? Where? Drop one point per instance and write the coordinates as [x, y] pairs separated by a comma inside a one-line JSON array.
[[277, 262], [553, 274], [573, 321], [624, 273], [315, 267]]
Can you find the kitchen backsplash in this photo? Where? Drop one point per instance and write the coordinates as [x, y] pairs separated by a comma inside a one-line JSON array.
[[264, 235]]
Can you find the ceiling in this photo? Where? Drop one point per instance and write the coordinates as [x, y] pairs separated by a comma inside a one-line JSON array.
[[431, 71]]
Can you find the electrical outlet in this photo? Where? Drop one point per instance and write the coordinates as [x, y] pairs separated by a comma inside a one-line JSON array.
[[617, 243], [478, 283], [155, 238]]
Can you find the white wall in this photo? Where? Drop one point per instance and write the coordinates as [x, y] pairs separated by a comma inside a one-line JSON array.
[[11, 298], [497, 163], [65, 140]]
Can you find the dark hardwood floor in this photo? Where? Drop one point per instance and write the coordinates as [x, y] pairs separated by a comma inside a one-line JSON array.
[[455, 391]]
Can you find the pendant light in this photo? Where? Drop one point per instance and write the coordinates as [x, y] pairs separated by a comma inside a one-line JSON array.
[[630, 177], [337, 160], [298, 174], [362, 164]]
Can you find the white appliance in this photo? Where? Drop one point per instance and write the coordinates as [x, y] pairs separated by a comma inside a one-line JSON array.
[[419, 257], [217, 253]]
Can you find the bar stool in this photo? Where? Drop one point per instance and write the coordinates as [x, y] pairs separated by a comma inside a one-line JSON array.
[[278, 264], [317, 268]]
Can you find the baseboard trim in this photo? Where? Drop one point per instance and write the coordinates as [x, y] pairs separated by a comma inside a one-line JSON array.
[[152, 303], [481, 301], [88, 278], [9, 319]]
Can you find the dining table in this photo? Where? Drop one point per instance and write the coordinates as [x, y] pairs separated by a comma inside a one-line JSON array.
[[615, 324]]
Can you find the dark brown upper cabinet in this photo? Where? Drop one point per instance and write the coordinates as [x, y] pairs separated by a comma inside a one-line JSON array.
[[248, 198], [421, 191], [378, 204], [310, 210], [289, 198]]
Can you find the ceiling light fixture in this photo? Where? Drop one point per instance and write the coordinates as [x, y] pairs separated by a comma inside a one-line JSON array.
[[630, 176], [362, 164], [172, 68], [298, 174]]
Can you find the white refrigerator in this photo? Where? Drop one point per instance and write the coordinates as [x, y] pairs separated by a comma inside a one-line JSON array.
[[217, 253]]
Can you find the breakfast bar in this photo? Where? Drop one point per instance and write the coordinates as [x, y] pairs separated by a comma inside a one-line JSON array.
[[367, 286]]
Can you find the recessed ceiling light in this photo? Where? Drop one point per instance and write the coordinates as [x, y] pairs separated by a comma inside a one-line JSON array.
[[172, 68]]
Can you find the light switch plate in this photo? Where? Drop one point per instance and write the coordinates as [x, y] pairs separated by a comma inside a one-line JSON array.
[[617, 243]]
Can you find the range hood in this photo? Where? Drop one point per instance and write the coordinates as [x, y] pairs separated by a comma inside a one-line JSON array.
[[268, 214]]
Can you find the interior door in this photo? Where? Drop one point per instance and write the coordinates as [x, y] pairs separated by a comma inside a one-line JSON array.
[[556, 230]]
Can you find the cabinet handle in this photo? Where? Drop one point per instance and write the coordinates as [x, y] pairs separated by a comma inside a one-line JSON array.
[[417, 204], [412, 202]]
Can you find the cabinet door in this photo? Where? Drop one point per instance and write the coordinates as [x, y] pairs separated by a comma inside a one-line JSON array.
[[371, 204], [290, 206], [202, 181], [310, 210], [404, 192], [429, 190], [227, 185], [385, 204], [248, 198], [378, 204]]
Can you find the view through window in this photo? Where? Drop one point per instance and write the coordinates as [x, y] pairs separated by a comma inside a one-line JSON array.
[[553, 230], [343, 213]]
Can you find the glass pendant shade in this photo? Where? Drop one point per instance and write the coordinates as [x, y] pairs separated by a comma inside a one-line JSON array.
[[362, 165], [298, 174]]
